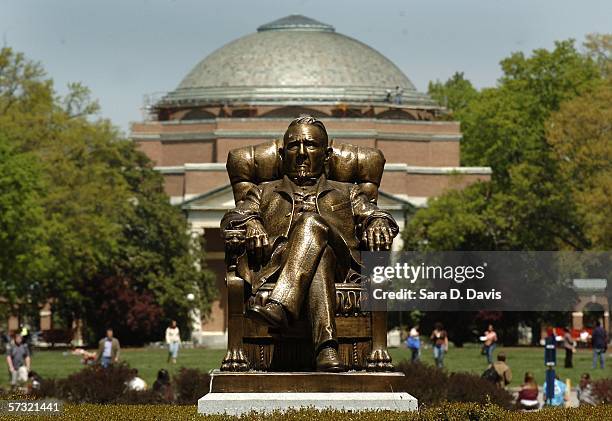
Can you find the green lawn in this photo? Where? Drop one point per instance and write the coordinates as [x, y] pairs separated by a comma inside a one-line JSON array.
[[148, 361], [520, 360]]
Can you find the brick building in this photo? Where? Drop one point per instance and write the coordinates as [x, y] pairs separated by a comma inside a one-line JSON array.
[[247, 91]]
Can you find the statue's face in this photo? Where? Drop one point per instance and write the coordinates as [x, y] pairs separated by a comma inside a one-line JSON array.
[[304, 153]]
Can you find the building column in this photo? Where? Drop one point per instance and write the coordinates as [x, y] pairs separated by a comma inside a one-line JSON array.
[[577, 320]]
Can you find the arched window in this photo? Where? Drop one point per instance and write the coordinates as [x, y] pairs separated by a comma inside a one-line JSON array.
[[198, 114], [294, 112]]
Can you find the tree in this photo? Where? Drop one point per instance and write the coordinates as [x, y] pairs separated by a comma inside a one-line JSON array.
[[599, 48], [156, 258], [528, 130], [106, 220], [524, 207], [454, 94], [24, 254], [580, 134]]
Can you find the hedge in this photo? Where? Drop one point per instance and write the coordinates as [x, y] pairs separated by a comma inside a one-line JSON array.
[[449, 411]]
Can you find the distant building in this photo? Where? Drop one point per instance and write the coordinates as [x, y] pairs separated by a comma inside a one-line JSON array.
[[592, 305], [247, 91]]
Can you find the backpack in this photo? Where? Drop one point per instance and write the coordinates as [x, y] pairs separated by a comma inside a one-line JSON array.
[[491, 375]]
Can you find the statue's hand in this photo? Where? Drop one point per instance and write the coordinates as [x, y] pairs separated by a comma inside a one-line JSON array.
[[256, 238], [378, 235]]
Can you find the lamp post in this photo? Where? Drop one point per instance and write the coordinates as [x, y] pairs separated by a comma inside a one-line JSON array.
[[550, 360]]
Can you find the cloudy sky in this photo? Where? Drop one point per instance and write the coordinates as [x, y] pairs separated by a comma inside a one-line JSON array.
[[125, 49]]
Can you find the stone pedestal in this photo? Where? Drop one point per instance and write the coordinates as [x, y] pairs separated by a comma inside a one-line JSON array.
[[240, 393]]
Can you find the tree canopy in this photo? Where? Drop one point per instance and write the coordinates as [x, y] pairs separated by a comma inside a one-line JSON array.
[[545, 132], [87, 212], [533, 200]]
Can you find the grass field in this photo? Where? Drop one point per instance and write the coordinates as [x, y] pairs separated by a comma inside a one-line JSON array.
[[149, 360], [520, 360]]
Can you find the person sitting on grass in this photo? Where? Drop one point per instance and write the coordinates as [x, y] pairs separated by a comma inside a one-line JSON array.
[[585, 391], [559, 397], [136, 384], [87, 358], [34, 382], [163, 387], [528, 395], [499, 372]]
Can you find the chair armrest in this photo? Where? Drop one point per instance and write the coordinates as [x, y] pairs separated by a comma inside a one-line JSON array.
[[234, 246]]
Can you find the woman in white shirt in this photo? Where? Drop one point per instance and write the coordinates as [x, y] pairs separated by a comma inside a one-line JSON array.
[[173, 340]]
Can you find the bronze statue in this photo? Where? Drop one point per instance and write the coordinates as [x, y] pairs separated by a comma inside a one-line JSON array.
[[304, 232]]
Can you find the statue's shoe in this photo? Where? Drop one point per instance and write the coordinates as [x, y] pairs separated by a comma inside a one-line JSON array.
[[328, 360], [272, 314]]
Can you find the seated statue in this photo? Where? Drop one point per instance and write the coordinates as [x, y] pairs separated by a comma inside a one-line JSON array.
[[304, 233]]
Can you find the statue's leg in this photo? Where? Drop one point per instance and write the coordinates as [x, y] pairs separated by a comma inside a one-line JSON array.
[[307, 241], [321, 302]]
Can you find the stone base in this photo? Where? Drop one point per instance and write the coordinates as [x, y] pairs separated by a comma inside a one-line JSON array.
[[305, 382], [241, 393], [243, 403]]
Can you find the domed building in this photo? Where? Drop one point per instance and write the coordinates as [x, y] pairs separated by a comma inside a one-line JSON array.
[[247, 92]]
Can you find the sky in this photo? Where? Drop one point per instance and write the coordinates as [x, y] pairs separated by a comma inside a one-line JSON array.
[[125, 49]]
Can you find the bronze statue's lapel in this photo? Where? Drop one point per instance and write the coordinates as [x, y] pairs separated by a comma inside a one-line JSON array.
[[285, 189], [322, 188]]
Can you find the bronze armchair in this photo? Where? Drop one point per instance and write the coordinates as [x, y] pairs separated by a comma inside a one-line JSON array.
[[362, 335]]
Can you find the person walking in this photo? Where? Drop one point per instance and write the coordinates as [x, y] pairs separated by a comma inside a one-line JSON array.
[[18, 361], [108, 350], [173, 340], [414, 344], [439, 340], [600, 345], [490, 342], [570, 347]]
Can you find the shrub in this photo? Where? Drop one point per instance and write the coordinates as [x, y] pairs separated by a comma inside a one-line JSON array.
[[426, 383], [448, 411], [146, 397], [190, 384], [465, 387], [90, 385], [95, 384], [431, 385], [102, 386], [602, 389]]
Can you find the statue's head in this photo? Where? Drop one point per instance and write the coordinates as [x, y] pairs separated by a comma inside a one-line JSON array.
[[305, 149]]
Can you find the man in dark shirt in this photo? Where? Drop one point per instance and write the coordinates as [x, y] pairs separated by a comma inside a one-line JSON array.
[[18, 361], [600, 345]]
